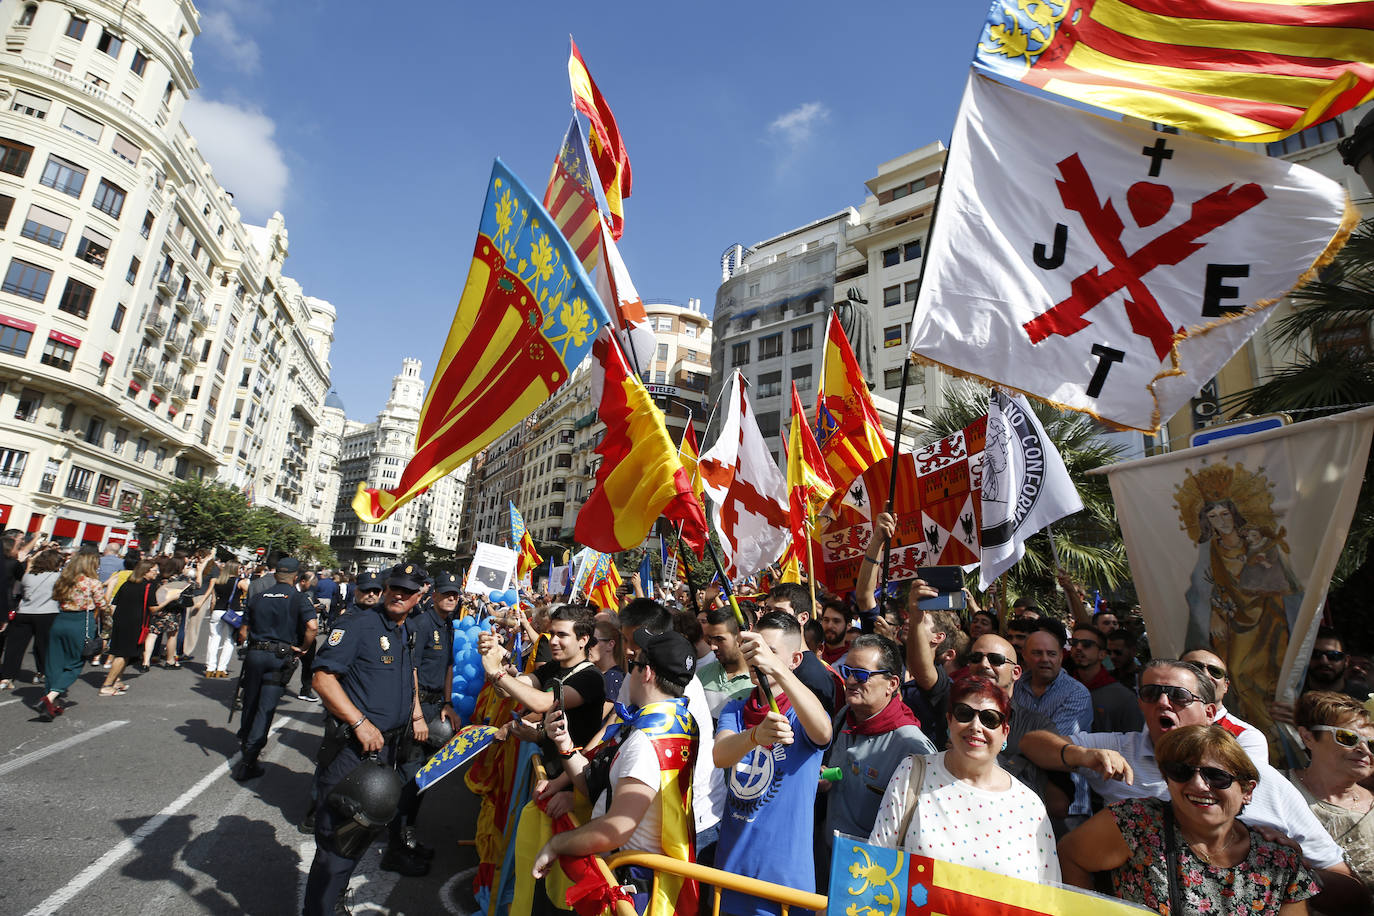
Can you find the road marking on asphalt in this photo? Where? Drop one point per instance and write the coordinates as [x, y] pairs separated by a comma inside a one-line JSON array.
[[8, 702], [92, 872], [12, 765], [368, 880]]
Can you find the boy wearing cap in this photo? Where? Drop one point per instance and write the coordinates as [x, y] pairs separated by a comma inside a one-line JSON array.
[[649, 777]]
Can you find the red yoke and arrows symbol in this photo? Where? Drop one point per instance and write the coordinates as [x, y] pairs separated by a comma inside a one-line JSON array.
[[1148, 203]]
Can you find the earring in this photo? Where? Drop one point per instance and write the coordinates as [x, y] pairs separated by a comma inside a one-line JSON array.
[[1004, 745]]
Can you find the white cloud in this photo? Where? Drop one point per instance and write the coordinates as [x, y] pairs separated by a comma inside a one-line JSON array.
[[795, 127], [220, 30], [238, 143]]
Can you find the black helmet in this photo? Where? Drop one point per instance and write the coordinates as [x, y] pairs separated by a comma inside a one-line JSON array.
[[365, 800], [440, 731]]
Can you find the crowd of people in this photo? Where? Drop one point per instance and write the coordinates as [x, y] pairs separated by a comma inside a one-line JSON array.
[[1018, 745]]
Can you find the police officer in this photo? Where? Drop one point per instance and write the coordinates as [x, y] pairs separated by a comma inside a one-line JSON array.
[[365, 676], [272, 622], [434, 679]]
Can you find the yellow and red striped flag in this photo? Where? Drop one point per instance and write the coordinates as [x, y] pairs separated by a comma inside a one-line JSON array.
[[571, 201], [848, 431], [529, 556], [1247, 70], [690, 453], [605, 581], [611, 159], [808, 483]]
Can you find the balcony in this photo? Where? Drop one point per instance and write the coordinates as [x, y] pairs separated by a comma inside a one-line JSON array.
[[168, 280], [177, 341], [47, 483], [199, 318], [156, 324], [180, 392], [143, 366], [75, 491], [165, 378]]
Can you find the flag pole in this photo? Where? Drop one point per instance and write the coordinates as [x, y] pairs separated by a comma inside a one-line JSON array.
[[739, 618], [810, 564]]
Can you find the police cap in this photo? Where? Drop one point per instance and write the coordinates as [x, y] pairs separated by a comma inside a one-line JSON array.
[[406, 575], [288, 565], [367, 581], [447, 582]]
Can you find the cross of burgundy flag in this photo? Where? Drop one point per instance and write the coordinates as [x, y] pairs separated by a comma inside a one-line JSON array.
[[748, 493], [1106, 267]]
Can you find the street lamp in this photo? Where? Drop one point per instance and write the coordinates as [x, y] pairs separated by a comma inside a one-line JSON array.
[[1357, 150]]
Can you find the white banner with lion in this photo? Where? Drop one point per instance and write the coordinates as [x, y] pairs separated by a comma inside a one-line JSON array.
[[1232, 546]]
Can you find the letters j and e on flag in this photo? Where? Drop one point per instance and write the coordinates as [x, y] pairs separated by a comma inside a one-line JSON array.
[[1233, 69], [527, 317], [1105, 267]]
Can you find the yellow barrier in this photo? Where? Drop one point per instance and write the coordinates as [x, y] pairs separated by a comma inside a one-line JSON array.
[[787, 897]]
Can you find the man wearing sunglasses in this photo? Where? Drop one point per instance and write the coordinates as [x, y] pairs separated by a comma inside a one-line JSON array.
[[1250, 738], [1121, 765], [1114, 707], [994, 659], [1328, 669], [875, 733]]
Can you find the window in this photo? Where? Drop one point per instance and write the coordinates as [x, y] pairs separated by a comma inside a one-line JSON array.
[[147, 226], [82, 125], [662, 351], [12, 466], [6, 205], [64, 176], [770, 384], [1325, 132], [68, 417], [46, 227], [93, 247], [139, 63], [769, 424], [102, 373], [15, 157], [892, 378], [801, 377], [892, 336], [126, 149], [105, 490], [770, 347], [892, 257], [95, 431], [801, 338], [158, 457], [29, 403], [14, 341], [76, 298], [27, 280], [132, 274], [59, 355], [739, 353], [26, 17], [109, 198], [64, 65], [140, 449], [76, 28], [911, 250], [120, 312], [110, 43], [26, 103], [79, 483], [892, 294], [909, 290], [121, 437]]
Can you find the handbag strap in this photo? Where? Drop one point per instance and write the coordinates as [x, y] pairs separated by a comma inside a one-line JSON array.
[[913, 792], [1171, 860]]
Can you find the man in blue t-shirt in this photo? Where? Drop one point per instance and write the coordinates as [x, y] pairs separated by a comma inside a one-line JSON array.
[[774, 761]]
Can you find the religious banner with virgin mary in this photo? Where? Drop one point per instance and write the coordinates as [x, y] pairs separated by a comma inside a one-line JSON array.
[[1232, 545]]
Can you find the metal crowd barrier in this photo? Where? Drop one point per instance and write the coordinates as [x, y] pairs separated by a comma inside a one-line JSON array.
[[787, 897]]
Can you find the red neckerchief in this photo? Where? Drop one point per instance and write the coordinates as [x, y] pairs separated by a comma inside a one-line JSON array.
[[755, 708], [1104, 677], [891, 717], [831, 656]]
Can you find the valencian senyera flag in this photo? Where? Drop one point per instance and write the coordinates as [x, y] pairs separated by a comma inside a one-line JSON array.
[[604, 582], [609, 155], [1232, 545], [527, 555], [570, 200], [527, 317], [640, 476], [866, 878], [1105, 267], [462, 747], [1249, 70]]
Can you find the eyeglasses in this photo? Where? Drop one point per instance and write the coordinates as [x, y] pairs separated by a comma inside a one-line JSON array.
[[634, 663], [988, 718], [1330, 655], [1216, 779], [860, 674], [1345, 737], [995, 659], [1179, 696], [1216, 671], [1085, 643]]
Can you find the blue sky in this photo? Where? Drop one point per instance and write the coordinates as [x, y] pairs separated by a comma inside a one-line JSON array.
[[372, 128]]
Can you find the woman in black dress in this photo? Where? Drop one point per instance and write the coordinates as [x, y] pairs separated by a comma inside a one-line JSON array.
[[134, 605]]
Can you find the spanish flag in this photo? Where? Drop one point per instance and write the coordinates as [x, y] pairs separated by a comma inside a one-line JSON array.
[[608, 149], [640, 476], [1247, 70], [690, 453], [527, 317], [529, 556], [848, 431]]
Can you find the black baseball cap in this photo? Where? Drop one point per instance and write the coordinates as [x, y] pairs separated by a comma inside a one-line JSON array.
[[447, 582], [288, 565], [669, 654], [367, 581], [406, 575]]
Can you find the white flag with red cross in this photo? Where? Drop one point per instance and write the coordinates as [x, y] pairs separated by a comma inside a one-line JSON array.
[[1106, 267]]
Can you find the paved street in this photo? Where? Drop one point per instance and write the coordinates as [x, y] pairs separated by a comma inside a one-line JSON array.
[[125, 805]]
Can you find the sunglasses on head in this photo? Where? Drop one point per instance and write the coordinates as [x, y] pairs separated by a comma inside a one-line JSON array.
[[1179, 696], [861, 675], [1085, 643], [1331, 655], [988, 718], [1345, 737], [1216, 779], [995, 659]]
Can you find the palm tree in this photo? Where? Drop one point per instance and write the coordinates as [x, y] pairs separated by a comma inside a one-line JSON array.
[[1324, 380], [1088, 543]]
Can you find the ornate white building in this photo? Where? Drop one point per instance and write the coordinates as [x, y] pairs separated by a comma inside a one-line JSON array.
[[146, 333]]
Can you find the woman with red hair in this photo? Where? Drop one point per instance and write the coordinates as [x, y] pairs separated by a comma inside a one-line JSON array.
[[926, 808]]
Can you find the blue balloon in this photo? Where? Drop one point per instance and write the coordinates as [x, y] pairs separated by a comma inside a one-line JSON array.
[[466, 706], [509, 597], [470, 672], [485, 626]]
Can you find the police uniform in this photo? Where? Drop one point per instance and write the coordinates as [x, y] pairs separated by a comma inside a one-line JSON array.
[[276, 618], [371, 656]]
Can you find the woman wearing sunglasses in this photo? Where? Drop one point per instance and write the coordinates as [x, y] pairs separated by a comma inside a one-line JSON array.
[[925, 808], [1190, 854], [1339, 734]]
